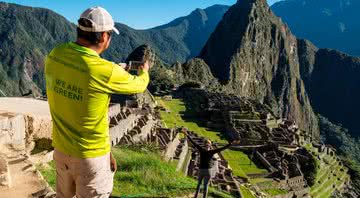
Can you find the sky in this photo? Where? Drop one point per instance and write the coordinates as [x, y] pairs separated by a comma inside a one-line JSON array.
[[138, 14]]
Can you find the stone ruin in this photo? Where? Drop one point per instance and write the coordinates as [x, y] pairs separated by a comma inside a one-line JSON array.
[[272, 141], [249, 120]]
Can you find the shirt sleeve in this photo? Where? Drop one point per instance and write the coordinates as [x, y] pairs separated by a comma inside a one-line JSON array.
[[121, 82]]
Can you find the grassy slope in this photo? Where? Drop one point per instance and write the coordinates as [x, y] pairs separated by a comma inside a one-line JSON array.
[[245, 192], [172, 119], [142, 173]]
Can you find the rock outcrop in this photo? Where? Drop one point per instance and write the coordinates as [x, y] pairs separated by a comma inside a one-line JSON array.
[[194, 70], [143, 53], [255, 54]]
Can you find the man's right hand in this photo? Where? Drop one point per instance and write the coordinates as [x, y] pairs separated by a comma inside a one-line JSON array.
[[145, 67]]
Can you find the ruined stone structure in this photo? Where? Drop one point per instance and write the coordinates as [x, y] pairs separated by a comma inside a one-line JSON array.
[[274, 142], [252, 122], [285, 169], [24, 121]]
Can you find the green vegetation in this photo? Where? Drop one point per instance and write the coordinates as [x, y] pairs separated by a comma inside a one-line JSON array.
[[48, 172], [177, 108], [161, 78], [241, 163], [24, 42], [340, 137], [142, 172], [246, 192], [275, 191], [329, 175], [347, 146]]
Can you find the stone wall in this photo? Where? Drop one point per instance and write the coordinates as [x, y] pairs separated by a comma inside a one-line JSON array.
[[24, 121], [12, 128]]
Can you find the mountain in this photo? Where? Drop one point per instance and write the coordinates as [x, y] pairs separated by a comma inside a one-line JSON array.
[[178, 40], [333, 84], [28, 34], [255, 55], [328, 24]]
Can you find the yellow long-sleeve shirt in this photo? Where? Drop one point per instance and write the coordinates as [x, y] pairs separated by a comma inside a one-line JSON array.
[[79, 84]]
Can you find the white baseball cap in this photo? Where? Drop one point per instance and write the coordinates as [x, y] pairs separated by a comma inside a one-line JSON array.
[[101, 20]]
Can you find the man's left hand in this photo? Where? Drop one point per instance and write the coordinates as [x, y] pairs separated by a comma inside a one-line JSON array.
[[145, 67]]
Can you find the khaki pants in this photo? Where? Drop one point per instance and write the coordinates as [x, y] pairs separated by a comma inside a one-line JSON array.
[[83, 178]]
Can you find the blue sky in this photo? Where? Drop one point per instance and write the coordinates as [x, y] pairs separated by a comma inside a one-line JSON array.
[[139, 14]]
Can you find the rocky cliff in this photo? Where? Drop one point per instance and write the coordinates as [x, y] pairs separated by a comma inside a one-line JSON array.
[[26, 36], [333, 84], [255, 55]]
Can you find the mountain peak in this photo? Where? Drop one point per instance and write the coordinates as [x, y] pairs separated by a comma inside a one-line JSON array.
[[231, 31], [255, 55]]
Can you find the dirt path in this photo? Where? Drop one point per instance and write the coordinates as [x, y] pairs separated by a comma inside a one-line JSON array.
[[24, 180]]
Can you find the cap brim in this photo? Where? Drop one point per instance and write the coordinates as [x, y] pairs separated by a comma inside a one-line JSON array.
[[115, 30]]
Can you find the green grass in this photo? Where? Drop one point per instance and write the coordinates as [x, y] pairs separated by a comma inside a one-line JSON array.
[[246, 192], [142, 173], [146, 174], [175, 119], [241, 163], [275, 191], [261, 180], [48, 172]]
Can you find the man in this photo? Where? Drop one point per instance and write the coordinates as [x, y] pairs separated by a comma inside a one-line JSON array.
[[79, 84], [208, 162]]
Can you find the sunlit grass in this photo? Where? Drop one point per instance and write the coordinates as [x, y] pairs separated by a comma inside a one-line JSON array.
[[173, 118], [241, 163], [142, 173]]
